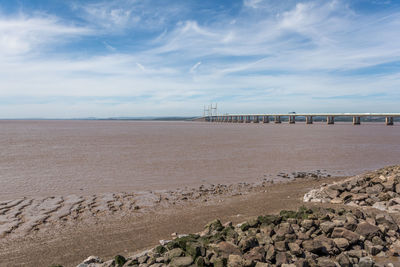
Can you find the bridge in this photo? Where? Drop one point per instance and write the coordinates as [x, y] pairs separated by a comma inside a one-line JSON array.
[[291, 117]]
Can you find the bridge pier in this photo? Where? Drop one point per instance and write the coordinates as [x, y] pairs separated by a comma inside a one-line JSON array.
[[330, 120], [356, 120], [277, 119], [248, 119], [309, 119], [265, 119], [389, 120], [292, 119], [256, 119]]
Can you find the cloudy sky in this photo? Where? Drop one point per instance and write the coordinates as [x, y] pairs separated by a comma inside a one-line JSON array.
[[63, 59]]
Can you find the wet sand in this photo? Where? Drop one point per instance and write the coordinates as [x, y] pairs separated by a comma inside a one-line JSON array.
[[70, 189], [70, 244], [49, 158]]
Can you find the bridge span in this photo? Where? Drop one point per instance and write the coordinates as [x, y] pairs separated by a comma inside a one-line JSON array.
[[291, 117]]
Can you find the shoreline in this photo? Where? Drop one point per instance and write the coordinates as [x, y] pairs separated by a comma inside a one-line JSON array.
[[111, 234]]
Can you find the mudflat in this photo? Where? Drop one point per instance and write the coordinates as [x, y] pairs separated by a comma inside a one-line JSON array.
[[69, 244], [70, 189], [49, 158]]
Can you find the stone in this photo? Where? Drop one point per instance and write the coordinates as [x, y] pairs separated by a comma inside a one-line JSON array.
[[343, 260], [92, 259], [337, 201], [173, 253], [367, 230], [327, 227], [352, 237], [387, 220], [366, 262], [281, 246], [271, 252], [228, 248], [281, 258], [379, 205], [307, 224], [375, 189], [263, 264], [331, 192], [341, 243], [235, 261], [119, 260], [295, 249], [301, 263], [248, 243], [255, 254], [326, 262], [314, 246], [181, 261]]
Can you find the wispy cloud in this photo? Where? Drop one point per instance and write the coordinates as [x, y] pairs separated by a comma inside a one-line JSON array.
[[255, 57]]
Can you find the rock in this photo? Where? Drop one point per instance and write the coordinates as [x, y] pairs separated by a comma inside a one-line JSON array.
[[281, 258], [387, 220], [366, 262], [271, 252], [337, 201], [327, 227], [379, 205], [343, 260], [173, 253], [255, 254], [326, 262], [367, 230], [295, 249], [227, 248], [235, 261], [343, 232], [248, 243], [314, 246], [119, 260], [307, 224], [215, 225], [341, 243], [371, 248], [92, 259], [281, 246], [263, 264], [181, 261]]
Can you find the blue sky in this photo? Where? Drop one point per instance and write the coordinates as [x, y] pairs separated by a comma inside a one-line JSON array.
[[63, 59]]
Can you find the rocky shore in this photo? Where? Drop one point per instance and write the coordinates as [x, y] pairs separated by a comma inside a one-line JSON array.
[[358, 233], [307, 237], [379, 189]]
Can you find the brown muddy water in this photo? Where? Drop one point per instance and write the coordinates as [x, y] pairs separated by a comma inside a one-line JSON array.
[[43, 158]]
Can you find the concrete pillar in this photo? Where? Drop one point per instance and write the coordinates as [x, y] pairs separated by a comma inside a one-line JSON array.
[[226, 118], [278, 119], [234, 119], [265, 119], [230, 119], [248, 119], [256, 119], [389, 120], [292, 119], [356, 120], [241, 119], [330, 119], [309, 119]]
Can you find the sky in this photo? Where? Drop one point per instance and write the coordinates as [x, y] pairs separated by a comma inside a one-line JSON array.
[[113, 58]]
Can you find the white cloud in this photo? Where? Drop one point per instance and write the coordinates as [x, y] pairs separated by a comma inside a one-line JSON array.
[[292, 58], [194, 67], [22, 34]]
